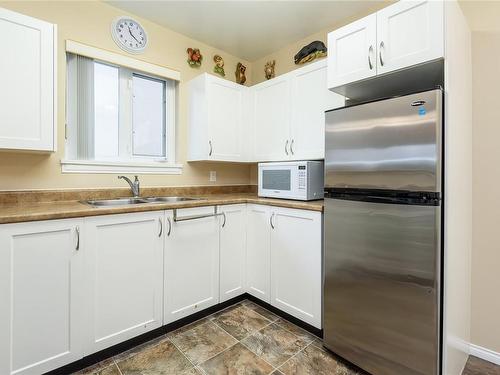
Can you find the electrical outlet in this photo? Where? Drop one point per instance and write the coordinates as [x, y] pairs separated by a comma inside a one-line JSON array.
[[213, 176]]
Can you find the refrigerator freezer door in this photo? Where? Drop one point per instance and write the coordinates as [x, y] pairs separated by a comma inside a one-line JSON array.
[[388, 144], [381, 291]]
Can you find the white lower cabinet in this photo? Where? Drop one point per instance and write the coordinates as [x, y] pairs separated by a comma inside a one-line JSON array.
[[191, 262], [258, 259], [232, 251], [41, 268], [296, 271], [124, 277]]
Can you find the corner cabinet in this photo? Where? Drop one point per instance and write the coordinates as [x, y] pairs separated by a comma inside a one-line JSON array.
[[233, 236], [28, 81], [41, 289], [191, 264], [400, 35], [258, 258], [217, 124], [124, 272]]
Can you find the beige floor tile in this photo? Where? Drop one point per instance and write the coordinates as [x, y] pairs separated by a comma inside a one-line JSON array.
[[161, 359], [237, 360], [203, 341], [476, 366], [315, 361], [304, 335], [274, 344], [262, 311], [240, 321]]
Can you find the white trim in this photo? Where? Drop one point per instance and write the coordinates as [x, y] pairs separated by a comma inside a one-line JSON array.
[[115, 58], [486, 354], [110, 167]]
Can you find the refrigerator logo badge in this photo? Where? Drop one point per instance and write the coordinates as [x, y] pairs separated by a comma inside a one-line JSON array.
[[421, 109]]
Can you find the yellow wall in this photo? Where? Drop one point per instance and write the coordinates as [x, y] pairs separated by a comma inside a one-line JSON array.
[[284, 56], [485, 328], [89, 22]]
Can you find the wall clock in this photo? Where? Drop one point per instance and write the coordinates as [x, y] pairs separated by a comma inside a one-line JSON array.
[[129, 34]]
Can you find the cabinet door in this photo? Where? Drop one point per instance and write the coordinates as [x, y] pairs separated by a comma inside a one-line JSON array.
[[191, 262], [272, 119], [296, 263], [258, 259], [232, 251], [225, 101], [41, 325], [352, 52], [125, 277], [27, 74], [310, 100], [409, 33]]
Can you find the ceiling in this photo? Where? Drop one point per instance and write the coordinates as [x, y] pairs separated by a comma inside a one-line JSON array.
[[247, 29]]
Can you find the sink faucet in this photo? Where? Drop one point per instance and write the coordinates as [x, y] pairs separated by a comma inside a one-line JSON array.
[[134, 186]]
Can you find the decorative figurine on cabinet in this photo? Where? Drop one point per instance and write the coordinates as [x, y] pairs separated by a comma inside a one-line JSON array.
[[219, 65], [240, 73], [310, 52], [269, 69], [194, 57]]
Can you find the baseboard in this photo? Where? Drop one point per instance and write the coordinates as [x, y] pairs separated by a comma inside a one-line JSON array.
[[483, 353]]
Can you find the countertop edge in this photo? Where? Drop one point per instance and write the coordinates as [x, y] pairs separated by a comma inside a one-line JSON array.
[[76, 209]]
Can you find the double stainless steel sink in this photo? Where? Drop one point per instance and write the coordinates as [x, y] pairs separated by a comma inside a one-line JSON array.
[[132, 201]]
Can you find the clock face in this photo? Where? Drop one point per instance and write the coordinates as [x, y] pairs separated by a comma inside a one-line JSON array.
[[129, 35]]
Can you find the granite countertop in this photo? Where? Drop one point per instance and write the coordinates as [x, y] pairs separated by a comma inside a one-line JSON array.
[[33, 211]]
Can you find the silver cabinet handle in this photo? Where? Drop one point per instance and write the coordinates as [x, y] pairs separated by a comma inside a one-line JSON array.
[[291, 146], [370, 52], [169, 226], [286, 147], [195, 217], [211, 148], [77, 230], [382, 46], [224, 217], [271, 220], [161, 227]]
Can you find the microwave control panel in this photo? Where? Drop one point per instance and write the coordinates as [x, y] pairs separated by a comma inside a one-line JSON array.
[[302, 177]]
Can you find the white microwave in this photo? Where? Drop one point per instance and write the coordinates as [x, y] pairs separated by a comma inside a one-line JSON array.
[[301, 180]]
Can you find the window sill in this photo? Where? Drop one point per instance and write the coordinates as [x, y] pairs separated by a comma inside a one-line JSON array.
[[111, 167]]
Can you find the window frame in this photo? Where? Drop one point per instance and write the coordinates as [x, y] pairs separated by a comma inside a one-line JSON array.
[[126, 162]]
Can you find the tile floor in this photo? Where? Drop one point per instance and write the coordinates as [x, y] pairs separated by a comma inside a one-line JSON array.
[[244, 339]]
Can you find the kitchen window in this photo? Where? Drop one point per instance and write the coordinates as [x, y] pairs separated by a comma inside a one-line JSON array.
[[119, 119]]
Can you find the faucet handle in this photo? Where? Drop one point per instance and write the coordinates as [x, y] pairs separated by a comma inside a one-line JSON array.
[[136, 178]]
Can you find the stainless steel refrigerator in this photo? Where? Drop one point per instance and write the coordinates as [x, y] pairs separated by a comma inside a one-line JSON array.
[[383, 220]]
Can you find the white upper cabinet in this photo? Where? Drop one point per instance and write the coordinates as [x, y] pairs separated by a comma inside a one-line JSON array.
[[41, 288], [191, 262], [296, 271], [409, 33], [124, 271], [27, 81], [310, 100], [404, 34], [216, 121], [352, 52], [272, 119], [232, 251]]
